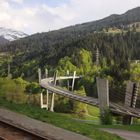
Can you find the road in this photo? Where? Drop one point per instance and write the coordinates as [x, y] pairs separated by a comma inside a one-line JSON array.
[[128, 135]]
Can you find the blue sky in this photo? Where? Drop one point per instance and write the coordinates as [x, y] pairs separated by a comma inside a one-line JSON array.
[[38, 2], [26, 3], [31, 16]]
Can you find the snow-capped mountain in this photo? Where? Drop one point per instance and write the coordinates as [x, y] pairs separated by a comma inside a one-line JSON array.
[[10, 34]]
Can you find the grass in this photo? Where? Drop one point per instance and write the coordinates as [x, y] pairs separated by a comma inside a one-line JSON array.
[[94, 111], [59, 120], [93, 114]]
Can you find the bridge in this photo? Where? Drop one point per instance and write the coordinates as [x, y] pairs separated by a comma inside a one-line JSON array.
[[129, 111]]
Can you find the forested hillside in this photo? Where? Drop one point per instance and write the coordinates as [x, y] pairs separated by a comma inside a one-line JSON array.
[[74, 48], [40, 52], [46, 49]]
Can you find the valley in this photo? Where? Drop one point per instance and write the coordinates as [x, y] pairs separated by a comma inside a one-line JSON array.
[[106, 49]]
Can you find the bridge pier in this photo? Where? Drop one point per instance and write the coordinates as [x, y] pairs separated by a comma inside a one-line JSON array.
[[47, 92], [68, 82], [47, 99], [39, 75], [42, 101], [130, 100], [103, 95], [41, 95], [46, 73], [127, 120], [73, 80], [52, 103], [53, 94]]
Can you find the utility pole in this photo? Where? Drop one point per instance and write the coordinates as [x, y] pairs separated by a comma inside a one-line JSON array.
[[53, 94]]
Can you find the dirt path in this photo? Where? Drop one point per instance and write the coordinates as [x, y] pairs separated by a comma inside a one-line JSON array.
[[128, 135]]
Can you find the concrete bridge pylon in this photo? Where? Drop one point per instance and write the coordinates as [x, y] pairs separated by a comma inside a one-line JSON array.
[[53, 94], [103, 94], [130, 100], [42, 104]]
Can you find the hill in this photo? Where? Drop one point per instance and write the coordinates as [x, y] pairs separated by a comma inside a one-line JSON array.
[[129, 18], [115, 20], [46, 49]]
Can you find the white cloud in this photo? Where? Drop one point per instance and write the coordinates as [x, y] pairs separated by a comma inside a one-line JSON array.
[[17, 1], [42, 17]]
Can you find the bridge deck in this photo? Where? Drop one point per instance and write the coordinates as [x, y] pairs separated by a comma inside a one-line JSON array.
[[47, 83]]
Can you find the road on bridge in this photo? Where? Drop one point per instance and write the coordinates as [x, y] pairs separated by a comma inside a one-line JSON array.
[[116, 108]]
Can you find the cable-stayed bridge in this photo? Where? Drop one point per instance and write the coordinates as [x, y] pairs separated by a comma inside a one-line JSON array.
[[126, 109]]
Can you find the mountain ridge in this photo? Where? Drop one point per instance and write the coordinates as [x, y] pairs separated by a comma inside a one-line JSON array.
[[75, 32], [46, 49], [10, 34], [119, 20], [132, 15]]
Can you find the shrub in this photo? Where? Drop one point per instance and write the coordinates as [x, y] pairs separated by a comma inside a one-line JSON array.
[[106, 118]]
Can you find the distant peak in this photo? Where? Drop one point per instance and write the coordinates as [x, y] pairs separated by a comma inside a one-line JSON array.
[[10, 34]]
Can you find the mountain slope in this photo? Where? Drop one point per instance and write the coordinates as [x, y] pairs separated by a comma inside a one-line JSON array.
[[73, 33], [43, 49], [125, 19], [10, 34], [3, 40]]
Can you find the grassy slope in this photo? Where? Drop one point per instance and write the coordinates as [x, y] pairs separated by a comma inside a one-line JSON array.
[[59, 120], [94, 111]]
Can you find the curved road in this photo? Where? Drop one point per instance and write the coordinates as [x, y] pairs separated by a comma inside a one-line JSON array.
[[48, 84]]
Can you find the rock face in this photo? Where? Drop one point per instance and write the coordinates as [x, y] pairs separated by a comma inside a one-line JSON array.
[[11, 35]]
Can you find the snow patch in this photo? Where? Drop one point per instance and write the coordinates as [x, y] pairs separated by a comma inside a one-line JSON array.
[[11, 35]]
